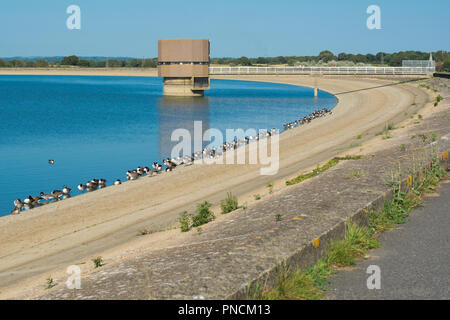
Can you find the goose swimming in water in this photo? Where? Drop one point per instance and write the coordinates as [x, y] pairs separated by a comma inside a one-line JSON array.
[[82, 187], [117, 182], [51, 161]]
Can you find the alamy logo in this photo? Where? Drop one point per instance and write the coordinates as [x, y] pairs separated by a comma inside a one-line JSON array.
[[374, 20], [73, 22], [374, 280], [256, 151], [74, 280]]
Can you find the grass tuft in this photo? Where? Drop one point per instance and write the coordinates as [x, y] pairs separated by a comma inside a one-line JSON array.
[[98, 262], [185, 221], [204, 214], [229, 204]]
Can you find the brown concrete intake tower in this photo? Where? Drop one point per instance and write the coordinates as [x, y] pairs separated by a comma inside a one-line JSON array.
[[184, 65]]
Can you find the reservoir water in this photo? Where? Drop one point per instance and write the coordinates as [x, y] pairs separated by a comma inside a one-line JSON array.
[[100, 127]]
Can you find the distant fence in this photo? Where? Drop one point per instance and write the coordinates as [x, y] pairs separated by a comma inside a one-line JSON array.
[[322, 70]]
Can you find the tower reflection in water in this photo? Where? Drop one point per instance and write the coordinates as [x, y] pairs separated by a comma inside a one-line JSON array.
[[180, 112]]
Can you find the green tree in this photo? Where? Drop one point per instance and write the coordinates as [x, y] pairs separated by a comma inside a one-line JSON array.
[[343, 56], [18, 63], [446, 65], [280, 60], [30, 64], [150, 63], [261, 60], [83, 63], [41, 63], [70, 61], [243, 61], [326, 56]]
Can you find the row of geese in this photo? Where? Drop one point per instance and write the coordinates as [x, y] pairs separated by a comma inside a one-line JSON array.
[[169, 164], [156, 168], [316, 114], [31, 202]]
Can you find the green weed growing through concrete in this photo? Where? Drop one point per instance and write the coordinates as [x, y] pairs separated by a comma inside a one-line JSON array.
[[319, 170], [229, 204]]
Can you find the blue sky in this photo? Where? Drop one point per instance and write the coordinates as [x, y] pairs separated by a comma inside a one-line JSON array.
[[235, 27]]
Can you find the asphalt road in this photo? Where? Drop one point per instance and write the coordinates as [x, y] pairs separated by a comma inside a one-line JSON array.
[[414, 259]]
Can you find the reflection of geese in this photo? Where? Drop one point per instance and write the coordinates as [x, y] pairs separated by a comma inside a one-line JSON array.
[[15, 210]]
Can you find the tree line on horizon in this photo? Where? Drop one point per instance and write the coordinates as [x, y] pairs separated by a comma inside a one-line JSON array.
[[325, 57], [75, 61]]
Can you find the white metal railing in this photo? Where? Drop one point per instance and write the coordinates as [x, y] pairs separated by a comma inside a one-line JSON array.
[[321, 70]]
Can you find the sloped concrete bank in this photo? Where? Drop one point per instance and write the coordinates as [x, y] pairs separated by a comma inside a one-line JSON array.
[[248, 245]]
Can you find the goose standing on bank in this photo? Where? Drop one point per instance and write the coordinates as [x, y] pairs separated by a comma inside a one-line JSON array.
[[46, 196], [92, 185], [18, 204], [132, 175], [36, 201], [102, 183], [66, 190], [57, 194]]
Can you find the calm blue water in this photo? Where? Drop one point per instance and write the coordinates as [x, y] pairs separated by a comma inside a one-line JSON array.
[[99, 127]]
